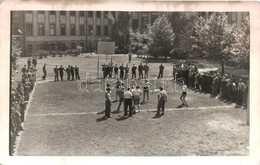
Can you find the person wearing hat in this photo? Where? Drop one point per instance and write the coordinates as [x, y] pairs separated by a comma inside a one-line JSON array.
[[128, 96], [108, 103]]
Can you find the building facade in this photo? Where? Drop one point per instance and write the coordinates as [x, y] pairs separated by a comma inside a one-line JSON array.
[[62, 30]]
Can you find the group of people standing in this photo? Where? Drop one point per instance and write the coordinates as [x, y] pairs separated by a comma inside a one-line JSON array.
[[123, 71]]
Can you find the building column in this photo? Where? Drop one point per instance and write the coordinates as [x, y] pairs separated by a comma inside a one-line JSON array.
[[77, 23], [35, 23], [57, 20], [46, 23], [102, 23], [149, 18], [239, 19], [139, 22], [67, 23]]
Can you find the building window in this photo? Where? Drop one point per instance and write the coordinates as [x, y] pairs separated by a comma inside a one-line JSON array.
[[82, 30], [53, 47], [233, 17], [90, 30], [135, 24], [52, 30], [106, 30], [63, 29], [52, 12], [154, 17], [105, 14], [73, 46], [16, 28], [144, 21], [40, 47], [72, 30], [81, 13], [72, 13], [29, 29], [29, 48], [63, 46], [90, 14], [98, 14], [98, 30], [41, 30], [62, 13]]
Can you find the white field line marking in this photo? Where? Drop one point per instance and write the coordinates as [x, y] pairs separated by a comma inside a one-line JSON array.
[[143, 110]]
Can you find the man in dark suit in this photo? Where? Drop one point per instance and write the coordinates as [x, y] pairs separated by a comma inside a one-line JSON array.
[[56, 74], [61, 69]]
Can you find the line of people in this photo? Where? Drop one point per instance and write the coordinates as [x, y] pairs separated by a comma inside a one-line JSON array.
[[131, 98]]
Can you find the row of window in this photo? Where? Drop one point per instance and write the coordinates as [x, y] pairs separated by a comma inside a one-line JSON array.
[[41, 30], [53, 47], [81, 13]]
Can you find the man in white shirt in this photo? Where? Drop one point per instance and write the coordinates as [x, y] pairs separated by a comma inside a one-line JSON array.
[[128, 96], [136, 95]]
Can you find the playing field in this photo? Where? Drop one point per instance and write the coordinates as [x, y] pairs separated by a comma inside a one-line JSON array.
[[64, 121]]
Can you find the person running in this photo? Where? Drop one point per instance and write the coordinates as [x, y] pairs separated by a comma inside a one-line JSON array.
[[108, 103], [44, 72], [136, 97], [184, 94], [128, 96], [146, 88]]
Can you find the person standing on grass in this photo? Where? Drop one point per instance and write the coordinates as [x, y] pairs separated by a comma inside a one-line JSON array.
[[184, 94], [108, 103], [56, 74], [161, 68], [146, 88], [121, 97], [140, 70], [44, 72], [126, 72], [136, 96], [146, 70], [130, 57], [118, 85], [162, 99], [61, 69], [116, 71], [122, 68], [68, 72], [72, 72], [134, 71], [77, 72], [128, 96]]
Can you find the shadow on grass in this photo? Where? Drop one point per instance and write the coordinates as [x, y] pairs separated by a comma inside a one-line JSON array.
[[101, 119], [157, 116], [101, 112], [116, 112], [122, 118]]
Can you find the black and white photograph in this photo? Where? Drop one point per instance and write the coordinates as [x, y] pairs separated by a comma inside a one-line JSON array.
[[130, 82]]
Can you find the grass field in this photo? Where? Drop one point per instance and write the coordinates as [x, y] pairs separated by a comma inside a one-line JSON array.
[[64, 121]]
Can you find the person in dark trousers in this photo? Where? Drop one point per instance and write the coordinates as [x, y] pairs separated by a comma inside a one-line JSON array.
[[108, 103], [134, 71], [161, 68], [72, 72], [162, 99], [44, 72], [128, 96], [140, 70], [118, 86], [56, 74], [121, 98], [130, 57], [77, 72], [116, 71], [146, 70], [126, 72], [61, 69], [68, 72], [122, 68]]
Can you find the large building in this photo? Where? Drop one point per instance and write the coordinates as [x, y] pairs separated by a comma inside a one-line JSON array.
[[62, 30]]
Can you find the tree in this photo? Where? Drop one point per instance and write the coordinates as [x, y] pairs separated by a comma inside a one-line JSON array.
[[160, 37], [240, 50], [120, 31], [214, 35], [183, 28], [15, 54], [139, 43]]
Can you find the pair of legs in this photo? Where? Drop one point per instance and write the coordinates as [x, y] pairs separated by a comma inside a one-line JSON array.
[[56, 77], [137, 104], [182, 98], [44, 75], [161, 105], [146, 92], [128, 103], [160, 74], [141, 76], [108, 108], [120, 103]]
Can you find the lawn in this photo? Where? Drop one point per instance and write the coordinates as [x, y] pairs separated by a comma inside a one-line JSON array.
[[64, 121]]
